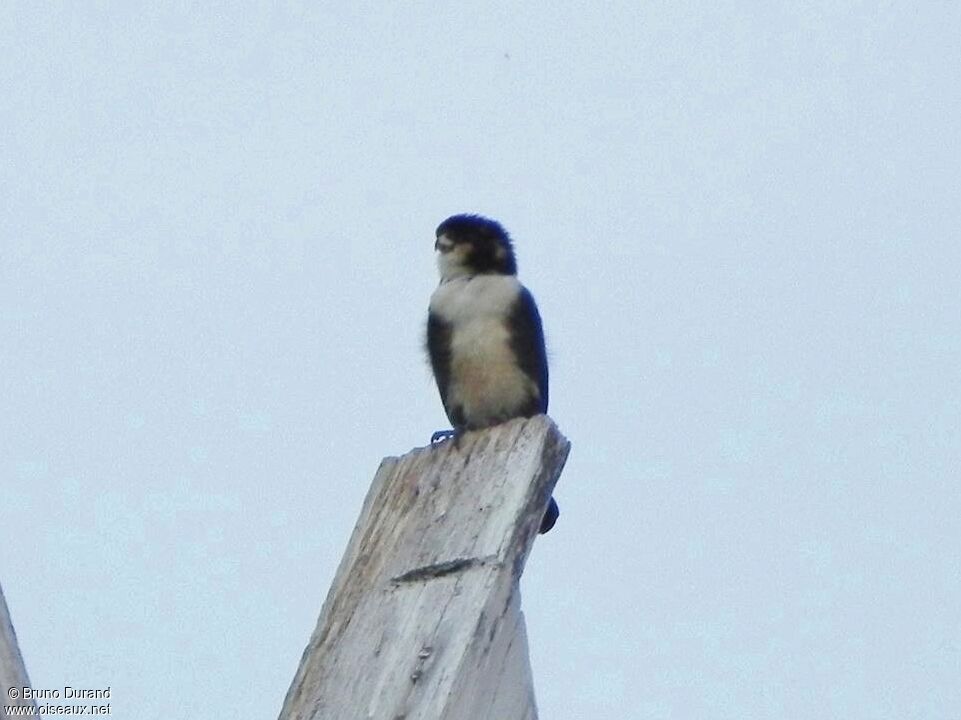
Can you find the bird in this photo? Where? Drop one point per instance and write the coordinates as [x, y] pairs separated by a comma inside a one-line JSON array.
[[485, 339]]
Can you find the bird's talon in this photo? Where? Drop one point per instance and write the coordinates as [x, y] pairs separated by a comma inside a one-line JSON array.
[[442, 435]]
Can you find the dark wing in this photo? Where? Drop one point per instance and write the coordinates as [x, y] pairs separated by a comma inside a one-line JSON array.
[[438, 348], [527, 342]]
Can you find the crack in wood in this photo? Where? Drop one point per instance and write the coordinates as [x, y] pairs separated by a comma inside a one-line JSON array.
[[437, 570]]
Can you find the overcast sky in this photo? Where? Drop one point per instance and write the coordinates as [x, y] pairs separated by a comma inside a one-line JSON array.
[[740, 220]]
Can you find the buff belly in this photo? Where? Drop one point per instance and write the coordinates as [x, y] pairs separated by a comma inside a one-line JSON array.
[[487, 386]]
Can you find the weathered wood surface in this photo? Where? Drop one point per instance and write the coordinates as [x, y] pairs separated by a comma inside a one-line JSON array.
[[423, 619], [13, 674]]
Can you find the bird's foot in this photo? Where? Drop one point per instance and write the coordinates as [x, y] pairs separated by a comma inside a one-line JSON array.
[[442, 435]]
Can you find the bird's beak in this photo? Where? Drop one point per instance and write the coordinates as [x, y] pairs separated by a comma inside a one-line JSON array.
[[444, 244]]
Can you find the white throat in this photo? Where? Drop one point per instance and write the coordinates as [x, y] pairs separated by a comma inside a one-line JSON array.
[[451, 268], [465, 298]]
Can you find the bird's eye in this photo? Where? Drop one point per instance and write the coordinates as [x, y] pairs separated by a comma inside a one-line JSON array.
[[444, 244]]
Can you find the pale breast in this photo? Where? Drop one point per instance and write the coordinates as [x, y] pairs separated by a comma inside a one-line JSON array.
[[463, 300], [486, 382]]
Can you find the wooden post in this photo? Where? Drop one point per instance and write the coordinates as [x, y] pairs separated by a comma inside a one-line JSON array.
[[423, 619], [13, 674]]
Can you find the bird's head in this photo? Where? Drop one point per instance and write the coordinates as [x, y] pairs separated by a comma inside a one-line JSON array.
[[470, 245]]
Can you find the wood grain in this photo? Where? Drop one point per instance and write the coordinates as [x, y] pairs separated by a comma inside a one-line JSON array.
[[423, 618]]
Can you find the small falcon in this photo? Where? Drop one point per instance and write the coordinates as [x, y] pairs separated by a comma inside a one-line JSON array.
[[484, 334]]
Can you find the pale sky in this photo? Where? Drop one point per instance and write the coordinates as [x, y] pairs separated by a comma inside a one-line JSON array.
[[740, 221]]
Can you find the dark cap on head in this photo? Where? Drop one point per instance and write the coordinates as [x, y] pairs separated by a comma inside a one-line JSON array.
[[492, 250]]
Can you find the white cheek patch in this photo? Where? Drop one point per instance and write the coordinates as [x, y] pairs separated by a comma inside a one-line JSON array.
[[453, 263]]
